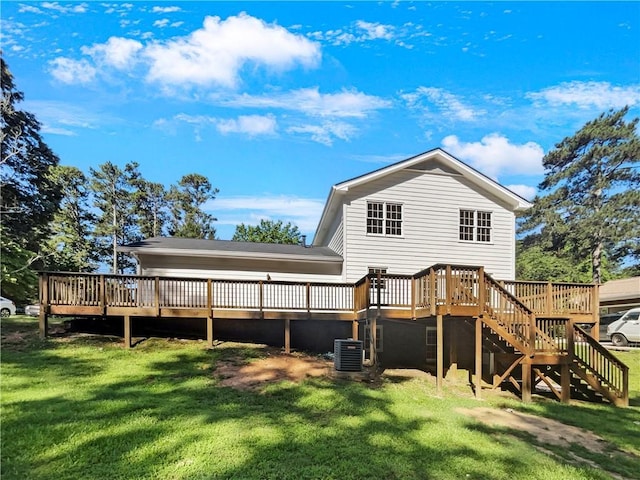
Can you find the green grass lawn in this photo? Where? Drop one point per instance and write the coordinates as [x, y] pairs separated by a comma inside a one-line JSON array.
[[76, 407]]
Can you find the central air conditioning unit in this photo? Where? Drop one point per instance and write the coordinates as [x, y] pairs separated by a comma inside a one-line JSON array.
[[347, 355]]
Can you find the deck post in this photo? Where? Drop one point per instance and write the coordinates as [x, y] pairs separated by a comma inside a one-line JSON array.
[[432, 290], [103, 295], [210, 330], [308, 288], [526, 382], [354, 330], [448, 288], [261, 298], [595, 305], [413, 298], [287, 335], [549, 309], [439, 353], [478, 379], [43, 321], [156, 295], [127, 331], [481, 291], [565, 383]]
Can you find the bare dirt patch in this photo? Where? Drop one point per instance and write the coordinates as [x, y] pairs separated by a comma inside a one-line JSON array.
[[234, 372], [547, 433]]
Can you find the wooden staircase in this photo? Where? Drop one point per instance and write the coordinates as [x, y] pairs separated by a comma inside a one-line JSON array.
[[558, 352]]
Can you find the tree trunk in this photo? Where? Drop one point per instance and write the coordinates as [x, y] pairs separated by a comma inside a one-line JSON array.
[[115, 241], [596, 263]]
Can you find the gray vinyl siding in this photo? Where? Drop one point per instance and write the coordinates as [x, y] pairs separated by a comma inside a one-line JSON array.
[[430, 209], [193, 267]]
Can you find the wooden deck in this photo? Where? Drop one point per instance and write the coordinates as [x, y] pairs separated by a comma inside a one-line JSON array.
[[539, 319]]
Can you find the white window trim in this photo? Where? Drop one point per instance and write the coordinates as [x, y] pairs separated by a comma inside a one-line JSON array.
[[384, 219], [475, 240]]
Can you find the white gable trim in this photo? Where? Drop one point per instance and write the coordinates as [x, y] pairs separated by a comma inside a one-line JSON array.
[[514, 201]]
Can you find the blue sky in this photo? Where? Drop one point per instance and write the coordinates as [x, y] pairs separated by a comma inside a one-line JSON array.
[[276, 101]]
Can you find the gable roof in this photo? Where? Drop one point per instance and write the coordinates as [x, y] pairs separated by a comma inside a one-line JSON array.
[[512, 199], [191, 247]]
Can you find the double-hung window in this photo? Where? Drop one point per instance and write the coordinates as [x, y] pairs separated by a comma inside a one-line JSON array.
[[475, 226], [384, 219]]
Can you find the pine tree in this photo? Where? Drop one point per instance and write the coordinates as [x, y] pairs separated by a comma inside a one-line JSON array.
[[151, 206], [268, 232], [112, 189], [70, 248], [188, 219], [589, 207], [29, 196]]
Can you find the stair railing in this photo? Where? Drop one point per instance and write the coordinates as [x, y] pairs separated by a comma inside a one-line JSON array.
[[597, 361], [511, 314]]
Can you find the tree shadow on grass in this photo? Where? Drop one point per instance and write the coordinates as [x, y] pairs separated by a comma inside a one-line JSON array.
[[160, 414]]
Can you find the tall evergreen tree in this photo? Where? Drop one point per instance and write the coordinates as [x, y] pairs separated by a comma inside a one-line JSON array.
[[151, 207], [188, 220], [116, 221], [589, 206], [29, 197], [268, 231], [70, 247]]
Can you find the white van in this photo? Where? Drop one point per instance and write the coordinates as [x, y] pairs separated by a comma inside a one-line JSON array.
[[626, 329]]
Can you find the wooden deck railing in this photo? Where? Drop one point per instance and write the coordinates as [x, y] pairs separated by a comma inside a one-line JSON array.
[[440, 289], [555, 299], [598, 362], [537, 319]]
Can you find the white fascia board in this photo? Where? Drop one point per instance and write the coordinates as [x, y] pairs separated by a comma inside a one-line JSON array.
[[229, 254], [516, 202], [325, 218]]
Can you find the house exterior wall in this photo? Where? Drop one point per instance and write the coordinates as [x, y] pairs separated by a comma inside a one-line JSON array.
[[336, 235], [431, 202], [236, 269]]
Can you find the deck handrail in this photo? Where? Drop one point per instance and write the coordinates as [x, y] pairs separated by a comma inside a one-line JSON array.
[[555, 298], [600, 362]]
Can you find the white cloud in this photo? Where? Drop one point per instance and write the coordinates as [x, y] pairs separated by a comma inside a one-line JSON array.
[[161, 23], [61, 118], [325, 133], [345, 104], [77, 8], [525, 191], [71, 71], [29, 9], [360, 31], [449, 105], [252, 125], [165, 9], [117, 52], [495, 155], [302, 212], [375, 31], [212, 55], [215, 53], [57, 131], [601, 95], [385, 159]]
